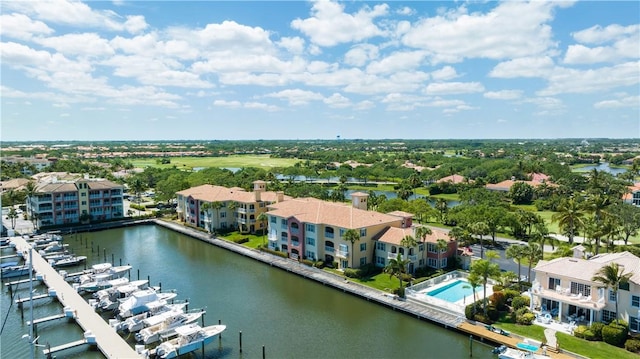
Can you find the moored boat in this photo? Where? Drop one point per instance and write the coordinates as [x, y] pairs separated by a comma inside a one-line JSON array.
[[137, 322], [68, 261], [101, 281], [190, 338], [139, 301], [166, 328], [15, 271]]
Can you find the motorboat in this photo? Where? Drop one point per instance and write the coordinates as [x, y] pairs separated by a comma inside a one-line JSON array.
[[166, 328], [113, 291], [15, 271], [106, 274], [101, 281], [137, 322], [8, 264], [139, 301], [509, 353], [189, 338], [68, 261], [54, 247], [112, 300]]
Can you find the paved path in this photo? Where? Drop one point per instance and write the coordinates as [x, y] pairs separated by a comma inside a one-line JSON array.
[[109, 342]]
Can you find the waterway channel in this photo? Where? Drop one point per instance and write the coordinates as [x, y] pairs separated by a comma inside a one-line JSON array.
[[291, 316]]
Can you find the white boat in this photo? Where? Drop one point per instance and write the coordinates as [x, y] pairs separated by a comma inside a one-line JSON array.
[[112, 300], [113, 291], [138, 301], [190, 338], [166, 328], [510, 353], [68, 261], [54, 247], [15, 271], [90, 280], [137, 322]]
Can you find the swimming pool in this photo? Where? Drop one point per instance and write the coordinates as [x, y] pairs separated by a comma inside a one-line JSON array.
[[453, 291]]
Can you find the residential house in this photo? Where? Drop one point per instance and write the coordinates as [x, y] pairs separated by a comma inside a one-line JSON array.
[[309, 228], [455, 179], [15, 184], [57, 202], [216, 207], [633, 195], [389, 245], [564, 286]]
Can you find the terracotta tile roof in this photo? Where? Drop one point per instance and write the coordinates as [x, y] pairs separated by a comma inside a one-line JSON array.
[[312, 210], [584, 269], [210, 193], [506, 185], [395, 235], [57, 187], [631, 190], [453, 179], [16, 183], [400, 214], [103, 184], [538, 177]]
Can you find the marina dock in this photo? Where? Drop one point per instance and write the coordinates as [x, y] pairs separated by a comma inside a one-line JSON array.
[[106, 339]]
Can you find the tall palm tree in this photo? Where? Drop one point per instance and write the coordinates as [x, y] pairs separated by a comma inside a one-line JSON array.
[[206, 208], [442, 207], [474, 281], [517, 252], [570, 217], [13, 216], [484, 269], [409, 242], [262, 218], [137, 185], [216, 205], [612, 276], [598, 204], [353, 236], [541, 235], [397, 267], [421, 233], [533, 253], [480, 229], [30, 192]]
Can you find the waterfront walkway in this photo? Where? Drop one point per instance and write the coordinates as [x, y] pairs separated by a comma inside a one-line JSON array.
[[110, 343]]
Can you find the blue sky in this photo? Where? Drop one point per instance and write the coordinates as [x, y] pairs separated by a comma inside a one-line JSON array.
[[227, 70]]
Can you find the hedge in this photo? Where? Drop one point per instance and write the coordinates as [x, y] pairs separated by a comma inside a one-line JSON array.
[[614, 334]]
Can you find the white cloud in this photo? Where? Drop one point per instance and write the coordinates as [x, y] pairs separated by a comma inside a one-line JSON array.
[[84, 44], [361, 54], [405, 11], [330, 25], [546, 103], [296, 97], [20, 26], [565, 80], [628, 101], [261, 106], [453, 88], [625, 44], [294, 45], [397, 61], [523, 67], [503, 95], [598, 34], [443, 74], [229, 104], [336, 100], [511, 29]]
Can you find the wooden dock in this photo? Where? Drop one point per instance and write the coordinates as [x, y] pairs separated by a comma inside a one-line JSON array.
[[62, 347], [47, 319], [107, 340]]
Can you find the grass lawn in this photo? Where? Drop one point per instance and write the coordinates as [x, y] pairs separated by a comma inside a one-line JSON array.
[[254, 240], [568, 342], [240, 161], [447, 196], [380, 281]]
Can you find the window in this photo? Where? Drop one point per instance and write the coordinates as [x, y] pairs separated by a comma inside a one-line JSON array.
[[328, 232], [342, 230], [576, 288], [363, 232], [608, 316], [223, 214], [381, 246], [432, 262], [431, 248], [363, 261], [380, 261], [283, 223], [634, 323], [84, 203], [274, 220], [624, 286], [443, 263], [310, 241], [283, 236], [83, 194], [310, 228], [310, 255], [363, 247], [343, 248], [553, 283], [421, 247], [612, 296], [635, 301]]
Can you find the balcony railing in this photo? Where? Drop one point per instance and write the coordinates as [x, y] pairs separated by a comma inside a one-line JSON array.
[[328, 234], [342, 254], [391, 255], [413, 257], [272, 238], [329, 249], [295, 244]]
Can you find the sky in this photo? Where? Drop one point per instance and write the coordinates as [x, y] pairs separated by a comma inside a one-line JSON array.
[[242, 70]]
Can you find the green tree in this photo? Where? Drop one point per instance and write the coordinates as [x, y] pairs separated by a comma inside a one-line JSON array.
[[474, 282], [421, 233], [13, 216], [262, 218], [30, 192], [441, 245], [484, 269], [570, 217], [612, 276], [397, 267], [137, 185], [206, 208], [352, 235], [629, 219], [517, 252], [480, 229], [521, 193], [442, 208], [533, 254]]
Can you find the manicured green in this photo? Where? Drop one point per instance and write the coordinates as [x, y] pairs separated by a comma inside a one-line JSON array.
[[447, 196], [254, 240], [239, 161], [570, 343], [380, 281]]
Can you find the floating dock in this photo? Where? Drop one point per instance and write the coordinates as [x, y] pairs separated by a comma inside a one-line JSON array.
[[105, 338]]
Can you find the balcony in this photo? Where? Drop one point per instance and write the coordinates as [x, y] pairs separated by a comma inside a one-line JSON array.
[[328, 234], [413, 257], [295, 244], [342, 254], [272, 238], [329, 249], [391, 255], [241, 210]]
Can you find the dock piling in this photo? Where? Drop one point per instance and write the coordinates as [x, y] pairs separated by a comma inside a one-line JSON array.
[[241, 341], [263, 352]]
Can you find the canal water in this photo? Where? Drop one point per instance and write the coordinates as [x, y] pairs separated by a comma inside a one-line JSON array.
[[291, 316]]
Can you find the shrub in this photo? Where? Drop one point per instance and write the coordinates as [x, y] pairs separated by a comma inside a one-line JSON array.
[[596, 329], [519, 302], [493, 313], [499, 300], [526, 318], [510, 294], [579, 331], [352, 273], [469, 309], [589, 335], [308, 262], [614, 334], [498, 288], [240, 240], [632, 345]]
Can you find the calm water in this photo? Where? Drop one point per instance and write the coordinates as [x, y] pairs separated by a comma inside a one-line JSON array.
[[604, 167], [293, 317]]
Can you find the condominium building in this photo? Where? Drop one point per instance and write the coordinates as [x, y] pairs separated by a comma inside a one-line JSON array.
[[565, 287], [82, 199], [215, 207]]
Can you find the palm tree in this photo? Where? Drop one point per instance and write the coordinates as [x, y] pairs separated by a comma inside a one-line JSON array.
[[232, 206], [474, 281], [216, 205], [533, 253], [397, 267], [441, 245], [517, 252], [541, 235], [484, 269], [206, 208], [598, 204], [351, 235], [12, 215], [569, 216], [442, 207], [262, 218], [480, 229], [137, 185], [612, 276], [30, 192], [421, 233]]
